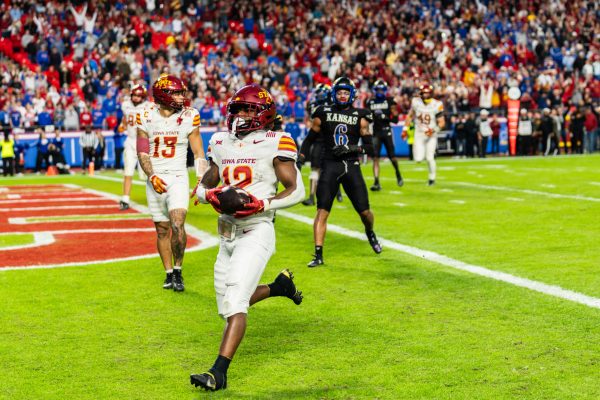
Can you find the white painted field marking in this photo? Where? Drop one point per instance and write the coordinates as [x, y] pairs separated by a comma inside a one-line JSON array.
[[595, 183], [548, 185], [457, 201], [514, 199], [39, 239], [57, 200], [58, 208], [395, 192], [400, 204], [447, 190], [551, 290], [206, 240], [517, 190], [76, 218]]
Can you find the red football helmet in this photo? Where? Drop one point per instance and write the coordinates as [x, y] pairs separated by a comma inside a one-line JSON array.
[[138, 90], [164, 89], [250, 98], [426, 91]]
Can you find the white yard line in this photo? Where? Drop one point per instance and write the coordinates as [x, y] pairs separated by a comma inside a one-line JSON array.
[[58, 208], [52, 200], [510, 189], [551, 290]]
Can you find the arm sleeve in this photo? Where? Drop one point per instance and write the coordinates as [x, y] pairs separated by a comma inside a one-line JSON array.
[[310, 139], [295, 197]]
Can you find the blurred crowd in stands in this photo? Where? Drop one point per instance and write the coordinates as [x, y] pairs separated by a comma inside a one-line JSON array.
[[70, 64]]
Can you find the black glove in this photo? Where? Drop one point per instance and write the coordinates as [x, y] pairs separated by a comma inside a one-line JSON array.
[[345, 149]]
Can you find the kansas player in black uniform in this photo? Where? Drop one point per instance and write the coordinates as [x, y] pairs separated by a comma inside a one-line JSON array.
[[384, 111], [320, 97], [341, 126]]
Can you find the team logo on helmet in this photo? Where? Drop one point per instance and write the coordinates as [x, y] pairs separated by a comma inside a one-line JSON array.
[[165, 88], [258, 106]]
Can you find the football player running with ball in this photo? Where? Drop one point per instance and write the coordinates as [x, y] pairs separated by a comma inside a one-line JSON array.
[[164, 130], [341, 126], [426, 113], [250, 160]]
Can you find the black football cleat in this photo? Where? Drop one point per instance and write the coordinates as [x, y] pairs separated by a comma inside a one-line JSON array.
[[309, 202], [339, 196], [211, 380], [168, 283], [285, 280], [178, 281], [123, 206], [376, 187], [375, 245], [399, 181], [316, 261], [431, 182]]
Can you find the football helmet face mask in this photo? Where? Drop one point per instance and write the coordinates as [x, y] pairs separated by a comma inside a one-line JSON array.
[[166, 88], [251, 108], [140, 92], [380, 88], [322, 93], [340, 84], [426, 92]]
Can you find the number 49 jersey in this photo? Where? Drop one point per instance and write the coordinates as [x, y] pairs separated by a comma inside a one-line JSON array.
[[130, 112], [168, 137], [425, 114], [247, 162]]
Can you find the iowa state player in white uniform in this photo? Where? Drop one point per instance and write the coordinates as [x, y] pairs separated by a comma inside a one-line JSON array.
[[131, 108], [252, 157], [426, 113], [164, 130]]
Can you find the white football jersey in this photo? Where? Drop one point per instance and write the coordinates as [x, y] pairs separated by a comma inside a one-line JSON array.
[[168, 137], [248, 162], [425, 114], [130, 112]]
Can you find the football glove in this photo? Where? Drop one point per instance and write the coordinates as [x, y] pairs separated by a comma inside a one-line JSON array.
[[213, 199], [158, 184], [345, 149], [254, 206]]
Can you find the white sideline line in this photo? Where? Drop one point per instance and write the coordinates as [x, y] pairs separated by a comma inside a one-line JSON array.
[[57, 208], [509, 189], [551, 290], [71, 218], [39, 239]]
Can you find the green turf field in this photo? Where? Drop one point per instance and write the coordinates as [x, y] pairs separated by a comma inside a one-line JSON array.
[[393, 326]]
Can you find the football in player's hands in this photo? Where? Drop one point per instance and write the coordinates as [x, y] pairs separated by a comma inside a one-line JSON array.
[[232, 199]]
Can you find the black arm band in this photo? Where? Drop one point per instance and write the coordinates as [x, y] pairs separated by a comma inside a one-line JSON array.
[[367, 145], [308, 141]]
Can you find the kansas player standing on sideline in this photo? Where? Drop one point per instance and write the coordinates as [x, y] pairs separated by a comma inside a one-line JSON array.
[[341, 126], [251, 156], [427, 115], [164, 130], [131, 108], [384, 112]]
